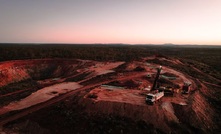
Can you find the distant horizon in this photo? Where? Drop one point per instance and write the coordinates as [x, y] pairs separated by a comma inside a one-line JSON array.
[[58, 43]]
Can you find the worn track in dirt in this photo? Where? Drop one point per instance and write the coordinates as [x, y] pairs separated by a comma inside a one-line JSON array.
[[37, 107]]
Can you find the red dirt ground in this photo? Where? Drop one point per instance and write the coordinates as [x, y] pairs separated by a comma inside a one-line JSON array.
[[65, 78]]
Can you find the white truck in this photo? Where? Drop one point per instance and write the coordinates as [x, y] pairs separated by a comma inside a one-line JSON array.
[[153, 97]]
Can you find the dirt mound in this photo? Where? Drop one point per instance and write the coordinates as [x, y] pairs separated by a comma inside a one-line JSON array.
[[131, 84], [139, 68]]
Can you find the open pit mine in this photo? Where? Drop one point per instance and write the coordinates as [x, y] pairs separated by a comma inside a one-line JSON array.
[[84, 96]]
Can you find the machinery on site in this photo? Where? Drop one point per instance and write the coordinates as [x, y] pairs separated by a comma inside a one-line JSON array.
[[155, 95], [156, 78], [151, 98], [186, 87], [167, 91]]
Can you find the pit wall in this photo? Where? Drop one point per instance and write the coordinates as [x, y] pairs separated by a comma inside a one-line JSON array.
[[15, 71]]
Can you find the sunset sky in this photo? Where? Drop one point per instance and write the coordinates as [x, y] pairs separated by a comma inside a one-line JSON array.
[[111, 21]]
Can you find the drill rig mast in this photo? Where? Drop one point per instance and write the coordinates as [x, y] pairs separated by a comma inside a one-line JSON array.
[[156, 78]]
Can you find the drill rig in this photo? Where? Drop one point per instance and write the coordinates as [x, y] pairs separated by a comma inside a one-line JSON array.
[[153, 97]]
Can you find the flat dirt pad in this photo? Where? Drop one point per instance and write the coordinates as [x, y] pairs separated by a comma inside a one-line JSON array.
[[104, 68], [40, 96], [118, 95]]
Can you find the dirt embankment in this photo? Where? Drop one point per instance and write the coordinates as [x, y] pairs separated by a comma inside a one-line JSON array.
[[15, 71], [153, 115], [195, 116]]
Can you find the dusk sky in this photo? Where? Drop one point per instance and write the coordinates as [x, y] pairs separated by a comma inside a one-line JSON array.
[[111, 21]]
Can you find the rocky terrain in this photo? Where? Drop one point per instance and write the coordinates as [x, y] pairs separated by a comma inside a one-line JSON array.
[[85, 96]]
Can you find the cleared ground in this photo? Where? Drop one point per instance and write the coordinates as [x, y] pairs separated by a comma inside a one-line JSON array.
[[35, 88]]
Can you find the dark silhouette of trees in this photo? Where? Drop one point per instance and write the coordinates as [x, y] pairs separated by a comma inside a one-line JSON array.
[[118, 52]]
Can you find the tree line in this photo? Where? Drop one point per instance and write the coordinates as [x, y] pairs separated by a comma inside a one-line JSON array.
[[117, 52]]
